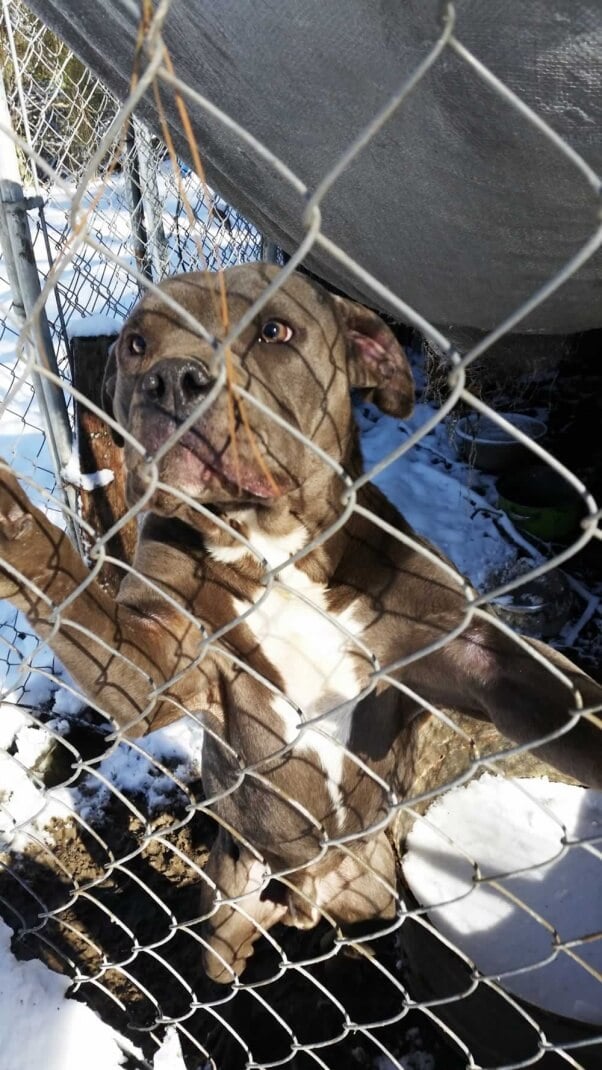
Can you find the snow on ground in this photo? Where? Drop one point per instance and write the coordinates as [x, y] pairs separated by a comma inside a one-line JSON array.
[[135, 769], [40, 1027], [432, 489], [517, 826], [148, 769], [169, 1056]]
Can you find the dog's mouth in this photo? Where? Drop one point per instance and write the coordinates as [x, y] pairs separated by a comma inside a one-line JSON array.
[[195, 464], [233, 473]]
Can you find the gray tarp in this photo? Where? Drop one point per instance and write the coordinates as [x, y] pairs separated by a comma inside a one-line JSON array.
[[458, 205]]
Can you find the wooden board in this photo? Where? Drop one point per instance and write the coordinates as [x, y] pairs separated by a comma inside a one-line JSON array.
[[103, 506]]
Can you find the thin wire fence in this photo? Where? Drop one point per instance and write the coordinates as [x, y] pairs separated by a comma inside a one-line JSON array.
[[108, 863], [62, 112]]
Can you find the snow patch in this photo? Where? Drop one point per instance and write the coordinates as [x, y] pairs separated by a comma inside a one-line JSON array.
[[25, 810], [431, 488], [72, 473], [169, 1056], [93, 326], [133, 769], [40, 1027]]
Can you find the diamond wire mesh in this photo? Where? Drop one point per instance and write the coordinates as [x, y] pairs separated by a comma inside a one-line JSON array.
[[104, 858]]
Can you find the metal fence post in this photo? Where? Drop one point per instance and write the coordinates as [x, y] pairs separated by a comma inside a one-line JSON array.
[[136, 204], [17, 249], [158, 249]]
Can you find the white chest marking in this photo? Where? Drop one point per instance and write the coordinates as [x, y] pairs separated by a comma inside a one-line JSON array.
[[309, 649], [313, 656], [274, 550]]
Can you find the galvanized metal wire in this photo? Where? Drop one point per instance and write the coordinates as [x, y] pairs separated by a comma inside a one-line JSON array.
[[114, 220]]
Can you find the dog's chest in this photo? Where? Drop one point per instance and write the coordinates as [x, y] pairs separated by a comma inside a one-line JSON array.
[[313, 653], [319, 659], [311, 649]]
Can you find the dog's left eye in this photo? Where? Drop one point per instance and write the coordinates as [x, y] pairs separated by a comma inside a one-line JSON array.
[[275, 331]]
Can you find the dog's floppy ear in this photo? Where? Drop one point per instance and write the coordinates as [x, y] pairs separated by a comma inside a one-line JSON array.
[[377, 363], [109, 380]]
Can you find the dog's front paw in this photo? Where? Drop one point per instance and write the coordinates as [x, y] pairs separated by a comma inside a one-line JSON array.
[[15, 507], [17, 527]]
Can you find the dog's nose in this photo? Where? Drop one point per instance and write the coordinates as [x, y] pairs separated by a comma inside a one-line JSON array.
[[178, 385]]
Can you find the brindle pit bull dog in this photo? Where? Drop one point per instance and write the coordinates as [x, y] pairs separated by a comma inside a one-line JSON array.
[[303, 744]]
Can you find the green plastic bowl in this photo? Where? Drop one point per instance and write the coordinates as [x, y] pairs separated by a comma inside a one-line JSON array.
[[540, 502]]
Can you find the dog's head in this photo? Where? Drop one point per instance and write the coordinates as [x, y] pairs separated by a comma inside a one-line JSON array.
[[297, 358]]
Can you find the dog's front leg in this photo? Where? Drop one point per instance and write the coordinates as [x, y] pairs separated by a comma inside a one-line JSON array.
[[233, 927], [485, 673], [116, 655]]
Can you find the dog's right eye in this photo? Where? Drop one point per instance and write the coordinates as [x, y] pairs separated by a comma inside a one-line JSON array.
[[137, 345]]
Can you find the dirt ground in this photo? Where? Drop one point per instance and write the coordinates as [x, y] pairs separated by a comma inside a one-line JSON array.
[[110, 898], [114, 906]]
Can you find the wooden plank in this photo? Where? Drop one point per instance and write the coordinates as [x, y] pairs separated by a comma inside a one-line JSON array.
[[102, 506]]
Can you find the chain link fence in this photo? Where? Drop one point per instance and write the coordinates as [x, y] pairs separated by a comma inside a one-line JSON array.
[[487, 950]]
